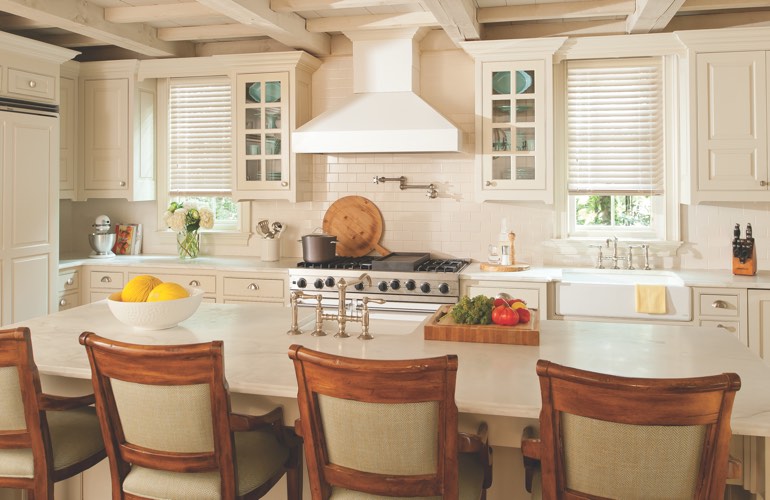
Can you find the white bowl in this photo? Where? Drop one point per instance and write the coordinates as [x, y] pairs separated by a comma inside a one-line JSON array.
[[156, 315]]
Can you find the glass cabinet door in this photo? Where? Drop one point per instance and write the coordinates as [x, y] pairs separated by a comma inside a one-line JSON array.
[[263, 124], [513, 126]]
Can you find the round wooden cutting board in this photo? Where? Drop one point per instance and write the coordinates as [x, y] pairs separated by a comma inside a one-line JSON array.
[[357, 224]]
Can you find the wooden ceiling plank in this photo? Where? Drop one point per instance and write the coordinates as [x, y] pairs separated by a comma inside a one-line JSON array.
[[719, 21], [456, 17], [700, 5], [209, 32], [70, 41], [161, 12], [551, 11], [370, 22], [652, 15], [314, 5], [570, 28], [287, 28], [84, 18], [9, 22]]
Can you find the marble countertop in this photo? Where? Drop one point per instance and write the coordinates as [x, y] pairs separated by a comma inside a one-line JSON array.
[[492, 379]]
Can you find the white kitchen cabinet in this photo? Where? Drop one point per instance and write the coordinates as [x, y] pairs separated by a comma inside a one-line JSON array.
[[68, 289], [514, 118], [272, 97], [251, 287], [759, 323], [117, 125], [68, 130], [724, 308], [103, 281]]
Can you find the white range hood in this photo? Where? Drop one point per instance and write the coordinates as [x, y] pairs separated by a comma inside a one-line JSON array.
[[385, 114]]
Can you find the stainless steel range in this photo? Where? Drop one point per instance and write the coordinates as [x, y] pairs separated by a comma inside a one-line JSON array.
[[407, 282]]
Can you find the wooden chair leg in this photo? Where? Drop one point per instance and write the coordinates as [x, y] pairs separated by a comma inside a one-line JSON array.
[[294, 473]]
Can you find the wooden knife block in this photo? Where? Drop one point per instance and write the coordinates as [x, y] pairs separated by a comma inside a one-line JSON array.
[[748, 268]]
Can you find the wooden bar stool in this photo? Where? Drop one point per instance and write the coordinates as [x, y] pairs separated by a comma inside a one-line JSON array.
[[375, 427], [43, 439]]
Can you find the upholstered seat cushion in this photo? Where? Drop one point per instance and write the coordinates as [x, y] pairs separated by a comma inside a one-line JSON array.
[[75, 436], [259, 456], [471, 479]]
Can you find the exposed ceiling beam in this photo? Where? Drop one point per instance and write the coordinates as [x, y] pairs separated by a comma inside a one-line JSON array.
[[163, 12], [372, 21], [15, 23], [71, 41], [699, 5], [551, 11], [537, 30], [79, 16], [717, 21], [311, 5], [287, 28], [456, 17], [209, 32], [652, 15]]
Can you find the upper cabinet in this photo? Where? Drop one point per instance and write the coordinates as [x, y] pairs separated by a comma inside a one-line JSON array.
[[68, 130], [117, 124], [514, 118], [272, 93]]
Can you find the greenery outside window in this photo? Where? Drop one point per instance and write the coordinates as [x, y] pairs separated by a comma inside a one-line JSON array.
[[616, 151]]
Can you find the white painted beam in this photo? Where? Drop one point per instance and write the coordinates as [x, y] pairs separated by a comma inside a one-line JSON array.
[[652, 15], [370, 22], [84, 18], [208, 32], [699, 5], [311, 5], [10, 22], [456, 17], [551, 11], [162, 12], [71, 41], [287, 28]]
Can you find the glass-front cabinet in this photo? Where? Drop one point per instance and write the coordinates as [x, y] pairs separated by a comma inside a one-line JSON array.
[[513, 127], [263, 125]]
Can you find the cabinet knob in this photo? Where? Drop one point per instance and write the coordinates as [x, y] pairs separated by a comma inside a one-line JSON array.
[[253, 286], [719, 304], [63, 302], [488, 183], [32, 84], [122, 183], [763, 183], [284, 184], [195, 283], [106, 279], [69, 281]]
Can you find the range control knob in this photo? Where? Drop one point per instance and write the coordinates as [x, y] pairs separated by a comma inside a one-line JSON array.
[[411, 285], [395, 284], [330, 281], [443, 288], [425, 288], [302, 282], [318, 283], [359, 286], [382, 286]]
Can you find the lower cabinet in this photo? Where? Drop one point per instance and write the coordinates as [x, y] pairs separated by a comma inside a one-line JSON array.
[[69, 289], [104, 281], [240, 288], [723, 308], [759, 323]]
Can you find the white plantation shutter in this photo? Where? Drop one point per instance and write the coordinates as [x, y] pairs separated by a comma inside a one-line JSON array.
[[200, 138], [615, 126]]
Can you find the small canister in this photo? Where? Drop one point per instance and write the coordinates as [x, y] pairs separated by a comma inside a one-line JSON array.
[[271, 249]]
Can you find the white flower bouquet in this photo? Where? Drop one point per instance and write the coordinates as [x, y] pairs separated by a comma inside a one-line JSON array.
[[186, 219]]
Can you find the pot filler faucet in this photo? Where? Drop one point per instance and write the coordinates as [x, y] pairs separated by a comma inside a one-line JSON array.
[[342, 316]]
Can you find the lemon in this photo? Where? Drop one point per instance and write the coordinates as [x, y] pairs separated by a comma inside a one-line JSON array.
[[167, 291], [138, 288]]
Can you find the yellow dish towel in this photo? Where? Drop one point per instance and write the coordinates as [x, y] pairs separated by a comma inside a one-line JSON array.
[[651, 299]]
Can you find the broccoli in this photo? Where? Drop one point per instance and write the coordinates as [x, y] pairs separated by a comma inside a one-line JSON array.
[[473, 311]]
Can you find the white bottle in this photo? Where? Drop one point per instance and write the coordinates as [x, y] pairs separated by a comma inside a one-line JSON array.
[[504, 243]]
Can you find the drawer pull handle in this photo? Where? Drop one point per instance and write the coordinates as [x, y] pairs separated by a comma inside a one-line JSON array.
[[62, 302], [719, 304], [32, 84], [728, 328], [69, 281], [253, 286], [195, 283], [106, 279]]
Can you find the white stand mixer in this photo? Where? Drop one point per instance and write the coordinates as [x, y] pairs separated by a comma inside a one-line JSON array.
[[102, 239]]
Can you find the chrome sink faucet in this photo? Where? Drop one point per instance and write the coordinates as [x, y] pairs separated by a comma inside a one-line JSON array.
[[615, 258]]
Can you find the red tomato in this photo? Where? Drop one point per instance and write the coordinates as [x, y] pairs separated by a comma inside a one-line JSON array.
[[499, 302], [524, 315], [504, 315]]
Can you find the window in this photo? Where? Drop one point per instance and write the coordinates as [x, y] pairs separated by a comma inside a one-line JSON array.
[[199, 148], [616, 153]]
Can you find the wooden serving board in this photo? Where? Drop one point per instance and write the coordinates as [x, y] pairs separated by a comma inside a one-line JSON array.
[[485, 266], [357, 224], [446, 329]]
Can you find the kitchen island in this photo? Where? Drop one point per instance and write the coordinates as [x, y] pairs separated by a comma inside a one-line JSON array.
[[495, 383]]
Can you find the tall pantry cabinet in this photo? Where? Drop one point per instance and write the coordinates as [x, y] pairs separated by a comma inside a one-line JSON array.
[[29, 179]]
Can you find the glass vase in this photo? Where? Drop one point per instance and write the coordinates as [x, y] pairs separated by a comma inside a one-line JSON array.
[[188, 244]]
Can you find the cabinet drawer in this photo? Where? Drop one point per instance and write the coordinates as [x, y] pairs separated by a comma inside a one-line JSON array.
[[721, 305], [107, 280], [68, 300], [69, 280], [31, 84], [206, 283], [254, 288], [733, 327]]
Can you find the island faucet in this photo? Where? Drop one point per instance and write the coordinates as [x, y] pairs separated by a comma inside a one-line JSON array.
[[342, 316]]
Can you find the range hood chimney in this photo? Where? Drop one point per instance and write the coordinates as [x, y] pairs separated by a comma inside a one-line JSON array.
[[385, 114]]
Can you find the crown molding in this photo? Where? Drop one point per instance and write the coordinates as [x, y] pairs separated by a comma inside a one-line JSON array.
[[502, 50]]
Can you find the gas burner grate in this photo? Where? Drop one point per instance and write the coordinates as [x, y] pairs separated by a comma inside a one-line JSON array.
[[442, 265], [364, 262]]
